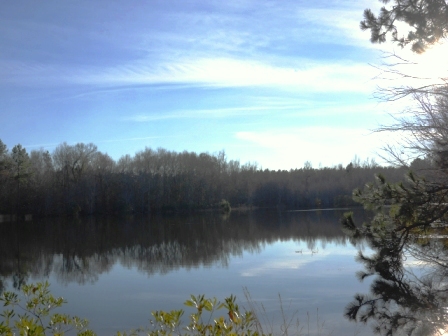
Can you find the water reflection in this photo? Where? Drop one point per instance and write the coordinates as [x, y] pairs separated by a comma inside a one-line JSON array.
[[409, 292], [79, 250]]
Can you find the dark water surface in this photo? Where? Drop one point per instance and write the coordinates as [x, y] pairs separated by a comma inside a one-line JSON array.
[[116, 271]]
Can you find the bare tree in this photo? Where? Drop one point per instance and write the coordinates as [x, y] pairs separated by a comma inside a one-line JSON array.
[[73, 160], [423, 128], [423, 125]]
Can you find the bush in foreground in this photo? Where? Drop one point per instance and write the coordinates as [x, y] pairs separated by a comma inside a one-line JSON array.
[[37, 317], [33, 315]]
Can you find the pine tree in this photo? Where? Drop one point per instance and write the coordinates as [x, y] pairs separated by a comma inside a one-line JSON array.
[[427, 21], [21, 172], [408, 214]]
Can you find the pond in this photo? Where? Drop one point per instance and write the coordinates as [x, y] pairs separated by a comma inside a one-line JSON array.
[[114, 272]]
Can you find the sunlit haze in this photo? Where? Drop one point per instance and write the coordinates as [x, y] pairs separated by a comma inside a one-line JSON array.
[[273, 82]]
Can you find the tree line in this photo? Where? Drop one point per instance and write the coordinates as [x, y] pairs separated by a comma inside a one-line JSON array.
[[80, 179]]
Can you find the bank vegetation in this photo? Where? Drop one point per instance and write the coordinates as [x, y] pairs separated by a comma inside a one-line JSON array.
[[81, 180]]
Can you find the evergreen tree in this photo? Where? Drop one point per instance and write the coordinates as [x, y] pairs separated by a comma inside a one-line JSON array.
[[5, 165], [427, 21], [21, 171], [417, 202], [4, 160], [407, 214]]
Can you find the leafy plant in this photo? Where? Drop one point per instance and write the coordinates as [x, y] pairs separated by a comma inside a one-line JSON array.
[[36, 315], [202, 320], [36, 318]]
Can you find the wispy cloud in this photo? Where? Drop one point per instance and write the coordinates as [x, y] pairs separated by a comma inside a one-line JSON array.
[[219, 47], [226, 72], [261, 64], [214, 113], [200, 113], [335, 25]]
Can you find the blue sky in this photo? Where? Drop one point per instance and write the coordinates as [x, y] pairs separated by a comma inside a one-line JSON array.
[[273, 82]]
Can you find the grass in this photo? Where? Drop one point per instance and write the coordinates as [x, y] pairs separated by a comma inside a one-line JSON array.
[[289, 320]]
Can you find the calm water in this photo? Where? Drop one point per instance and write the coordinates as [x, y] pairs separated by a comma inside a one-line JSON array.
[[116, 271]]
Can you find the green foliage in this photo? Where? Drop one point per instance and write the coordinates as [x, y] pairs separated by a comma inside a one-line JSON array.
[[20, 164], [202, 320], [406, 207], [36, 315], [427, 21], [4, 159], [405, 214]]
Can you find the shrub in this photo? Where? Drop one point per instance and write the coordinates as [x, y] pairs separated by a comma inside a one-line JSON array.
[[36, 317], [200, 324]]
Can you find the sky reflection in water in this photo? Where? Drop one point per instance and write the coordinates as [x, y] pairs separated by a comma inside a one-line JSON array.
[[320, 284], [116, 273]]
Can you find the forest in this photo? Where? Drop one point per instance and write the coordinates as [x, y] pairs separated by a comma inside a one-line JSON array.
[[80, 180]]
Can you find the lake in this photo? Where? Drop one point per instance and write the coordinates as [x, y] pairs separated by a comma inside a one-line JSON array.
[[114, 272]]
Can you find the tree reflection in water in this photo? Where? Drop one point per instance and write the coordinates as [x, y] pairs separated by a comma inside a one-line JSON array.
[[81, 249], [409, 291]]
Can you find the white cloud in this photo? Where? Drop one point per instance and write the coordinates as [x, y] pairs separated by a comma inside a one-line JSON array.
[[229, 72], [306, 76], [206, 113], [189, 55], [336, 26], [291, 147], [263, 105]]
